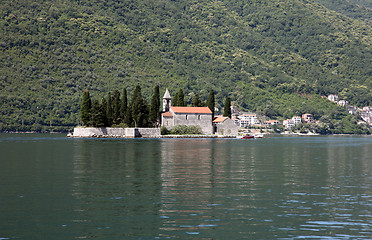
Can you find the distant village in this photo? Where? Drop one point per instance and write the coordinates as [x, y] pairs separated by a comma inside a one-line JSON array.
[[247, 120]]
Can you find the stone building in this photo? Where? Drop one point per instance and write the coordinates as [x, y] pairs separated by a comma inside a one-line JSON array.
[[224, 126], [173, 116]]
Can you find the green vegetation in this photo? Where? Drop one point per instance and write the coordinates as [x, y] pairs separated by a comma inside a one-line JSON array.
[[227, 108], [182, 130], [275, 57]]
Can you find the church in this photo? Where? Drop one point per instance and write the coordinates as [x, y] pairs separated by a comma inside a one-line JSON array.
[[172, 116]]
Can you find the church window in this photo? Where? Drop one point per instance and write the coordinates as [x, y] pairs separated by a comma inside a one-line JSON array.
[[199, 117], [186, 117]]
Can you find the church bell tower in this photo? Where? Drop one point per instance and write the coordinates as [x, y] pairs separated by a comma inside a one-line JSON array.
[[167, 100]]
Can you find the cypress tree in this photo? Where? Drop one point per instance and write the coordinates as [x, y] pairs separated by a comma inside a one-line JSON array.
[[109, 113], [123, 105], [211, 102], [175, 100], [104, 111], [86, 106], [97, 115], [128, 117], [116, 107], [227, 108], [181, 99], [155, 106], [196, 101], [140, 112]]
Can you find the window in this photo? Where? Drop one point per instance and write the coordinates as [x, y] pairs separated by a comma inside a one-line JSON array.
[[199, 117], [186, 117]]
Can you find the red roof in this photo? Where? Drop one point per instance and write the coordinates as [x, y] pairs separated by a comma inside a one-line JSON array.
[[219, 119], [191, 110], [167, 114]]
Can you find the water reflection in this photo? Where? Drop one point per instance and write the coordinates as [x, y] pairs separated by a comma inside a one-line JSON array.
[[273, 188]]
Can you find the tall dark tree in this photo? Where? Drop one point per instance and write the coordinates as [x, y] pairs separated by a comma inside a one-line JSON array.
[[128, 117], [175, 100], [97, 115], [140, 112], [211, 102], [155, 106], [123, 105], [86, 106], [104, 111], [196, 101], [181, 98], [227, 108], [116, 107], [109, 113]]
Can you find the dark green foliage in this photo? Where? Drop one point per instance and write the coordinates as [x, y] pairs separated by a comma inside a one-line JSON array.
[[175, 100], [140, 112], [257, 52], [98, 115], [109, 111], [164, 130], [196, 102], [179, 99], [86, 106], [104, 111], [227, 108], [123, 105], [116, 119], [155, 106], [186, 130], [211, 102], [128, 118]]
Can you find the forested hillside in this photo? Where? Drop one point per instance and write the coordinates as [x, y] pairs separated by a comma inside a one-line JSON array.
[[357, 9], [276, 57]]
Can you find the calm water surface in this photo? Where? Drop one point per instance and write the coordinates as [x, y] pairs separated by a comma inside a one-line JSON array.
[[52, 187]]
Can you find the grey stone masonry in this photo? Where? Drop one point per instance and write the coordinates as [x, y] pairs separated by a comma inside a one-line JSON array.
[[82, 132]]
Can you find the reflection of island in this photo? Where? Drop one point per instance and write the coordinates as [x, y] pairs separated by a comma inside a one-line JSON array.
[[116, 183]]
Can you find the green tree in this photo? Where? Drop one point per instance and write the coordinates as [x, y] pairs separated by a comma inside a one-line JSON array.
[[155, 106], [196, 101], [116, 107], [227, 108], [181, 98], [123, 105], [109, 113], [86, 106], [104, 111], [97, 115], [211, 102], [175, 100], [140, 112]]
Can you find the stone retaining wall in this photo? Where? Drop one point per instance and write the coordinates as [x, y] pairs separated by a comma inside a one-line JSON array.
[[116, 132]]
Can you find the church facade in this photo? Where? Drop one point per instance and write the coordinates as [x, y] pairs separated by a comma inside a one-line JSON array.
[[173, 116]]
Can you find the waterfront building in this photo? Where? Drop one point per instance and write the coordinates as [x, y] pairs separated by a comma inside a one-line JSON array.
[[224, 126], [173, 116], [308, 118]]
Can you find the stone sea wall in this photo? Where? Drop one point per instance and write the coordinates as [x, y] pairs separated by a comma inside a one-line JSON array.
[[82, 132]]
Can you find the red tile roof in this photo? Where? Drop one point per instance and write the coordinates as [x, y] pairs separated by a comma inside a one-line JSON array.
[[219, 119], [167, 114], [191, 110]]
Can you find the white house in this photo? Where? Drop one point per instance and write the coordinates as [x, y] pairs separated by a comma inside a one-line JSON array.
[[333, 98], [288, 123]]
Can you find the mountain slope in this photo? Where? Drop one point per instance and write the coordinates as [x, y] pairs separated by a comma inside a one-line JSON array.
[[256, 51]]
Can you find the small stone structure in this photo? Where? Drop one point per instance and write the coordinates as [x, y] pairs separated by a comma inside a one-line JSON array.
[[82, 132], [225, 126]]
